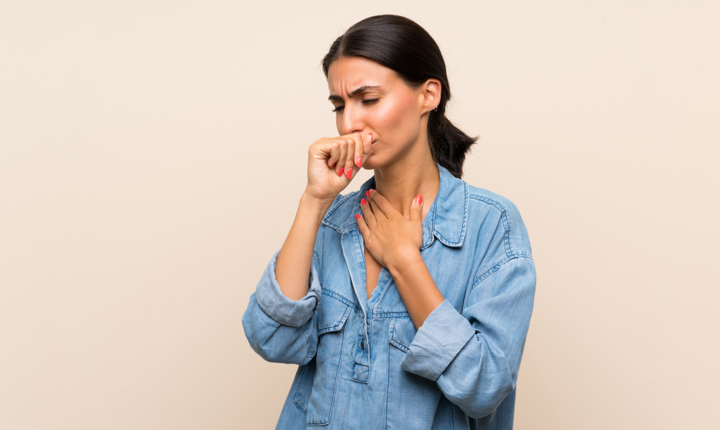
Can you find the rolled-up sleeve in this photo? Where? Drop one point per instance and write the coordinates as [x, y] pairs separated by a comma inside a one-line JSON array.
[[278, 328], [441, 337], [474, 356], [293, 313]]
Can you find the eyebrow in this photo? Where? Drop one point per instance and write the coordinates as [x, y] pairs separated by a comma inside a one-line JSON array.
[[355, 92]]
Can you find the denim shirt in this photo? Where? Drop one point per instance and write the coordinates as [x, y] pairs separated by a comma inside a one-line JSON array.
[[363, 365]]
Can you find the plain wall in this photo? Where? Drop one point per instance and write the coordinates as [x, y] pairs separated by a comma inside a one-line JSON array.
[[153, 153]]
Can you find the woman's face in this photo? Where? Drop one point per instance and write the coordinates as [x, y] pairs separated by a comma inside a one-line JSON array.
[[370, 98]]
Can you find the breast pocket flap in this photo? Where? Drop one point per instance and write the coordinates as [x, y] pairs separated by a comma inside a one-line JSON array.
[[332, 315], [402, 333]]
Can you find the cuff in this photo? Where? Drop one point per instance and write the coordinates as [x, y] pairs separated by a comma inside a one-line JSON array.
[[441, 337], [293, 313]]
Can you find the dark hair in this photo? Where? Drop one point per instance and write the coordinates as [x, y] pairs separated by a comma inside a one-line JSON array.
[[400, 44]]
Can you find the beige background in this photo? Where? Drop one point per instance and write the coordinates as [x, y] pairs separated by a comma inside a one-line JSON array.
[[153, 154]]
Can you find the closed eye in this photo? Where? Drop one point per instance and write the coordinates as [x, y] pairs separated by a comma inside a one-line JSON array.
[[368, 101]]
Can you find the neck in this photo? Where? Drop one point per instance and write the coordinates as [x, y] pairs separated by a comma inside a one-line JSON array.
[[401, 182]]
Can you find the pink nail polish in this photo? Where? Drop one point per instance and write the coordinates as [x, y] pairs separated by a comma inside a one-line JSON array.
[[359, 162], [363, 201], [370, 192], [357, 216], [348, 173], [341, 171], [419, 200]]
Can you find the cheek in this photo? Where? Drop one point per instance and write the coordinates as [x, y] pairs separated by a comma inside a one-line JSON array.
[[395, 116]]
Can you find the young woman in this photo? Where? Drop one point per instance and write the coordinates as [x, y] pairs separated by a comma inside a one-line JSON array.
[[406, 304]]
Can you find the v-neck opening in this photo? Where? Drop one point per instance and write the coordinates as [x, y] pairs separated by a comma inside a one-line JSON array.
[[374, 295]]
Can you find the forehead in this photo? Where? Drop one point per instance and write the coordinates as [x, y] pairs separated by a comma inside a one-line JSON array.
[[348, 73]]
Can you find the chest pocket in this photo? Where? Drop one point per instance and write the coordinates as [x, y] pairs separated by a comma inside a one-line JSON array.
[[402, 332], [412, 398], [332, 316]]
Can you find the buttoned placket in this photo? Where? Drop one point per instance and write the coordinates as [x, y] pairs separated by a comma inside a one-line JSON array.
[[354, 254]]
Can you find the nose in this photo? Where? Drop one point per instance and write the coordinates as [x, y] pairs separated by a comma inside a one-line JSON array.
[[350, 121]]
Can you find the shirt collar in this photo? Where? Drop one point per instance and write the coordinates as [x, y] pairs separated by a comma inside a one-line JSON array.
[[446, 220]]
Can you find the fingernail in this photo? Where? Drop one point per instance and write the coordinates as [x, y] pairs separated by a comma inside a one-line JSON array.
[[348, 173], [341, 170], [369, 192], [363, 201], [419, 200], [333, 165], [357, 216], [359, 162]]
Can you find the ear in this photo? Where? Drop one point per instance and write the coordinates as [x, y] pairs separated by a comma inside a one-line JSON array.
[[431, 92]]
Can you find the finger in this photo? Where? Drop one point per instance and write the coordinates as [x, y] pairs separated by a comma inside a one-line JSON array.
[[361, 225], [416, 209], [368, 214], [367, 145], [370, 206], [349, 163], [340, 166], [359, 146], [381, 202], [334, 155]]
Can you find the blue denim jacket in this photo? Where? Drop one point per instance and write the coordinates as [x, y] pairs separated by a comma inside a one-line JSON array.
[[362, 363]]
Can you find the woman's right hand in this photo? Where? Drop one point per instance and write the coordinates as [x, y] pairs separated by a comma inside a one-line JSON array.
[[333, 163]]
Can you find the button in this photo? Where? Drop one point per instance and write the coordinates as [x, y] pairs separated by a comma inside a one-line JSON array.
[[362, 345]]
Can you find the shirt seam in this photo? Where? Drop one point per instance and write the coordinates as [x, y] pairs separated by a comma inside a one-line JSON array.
[[340, 298], [503, 218], [497, 267]]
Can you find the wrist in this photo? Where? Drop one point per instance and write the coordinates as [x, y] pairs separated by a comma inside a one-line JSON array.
[[314, 205], [405, 261]]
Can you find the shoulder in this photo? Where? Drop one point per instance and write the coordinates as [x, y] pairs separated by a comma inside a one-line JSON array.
[[491, 214]]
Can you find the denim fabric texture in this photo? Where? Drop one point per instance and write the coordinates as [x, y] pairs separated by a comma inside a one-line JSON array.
[[362, 363]]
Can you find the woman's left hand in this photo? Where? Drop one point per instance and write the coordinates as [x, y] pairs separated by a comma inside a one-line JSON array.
[[391, 238]]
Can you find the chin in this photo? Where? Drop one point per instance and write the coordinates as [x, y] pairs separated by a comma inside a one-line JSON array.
[[371, 164]]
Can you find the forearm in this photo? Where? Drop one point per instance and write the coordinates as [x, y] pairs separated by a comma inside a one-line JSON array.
[[295, 258], [417, 288]]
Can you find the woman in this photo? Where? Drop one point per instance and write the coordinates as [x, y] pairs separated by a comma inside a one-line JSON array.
[[406, 304]]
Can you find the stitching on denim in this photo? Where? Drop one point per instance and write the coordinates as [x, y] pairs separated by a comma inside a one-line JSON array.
[[337, 326], [297, 389], [507, 242], [336, 205], [496, 267], [340, 298], [334, 390], [495, 203], [503, 218], [399, 345], [384, 315], [359, 381], [459, 242], [307, 344], [317, 257], [432, 228]]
